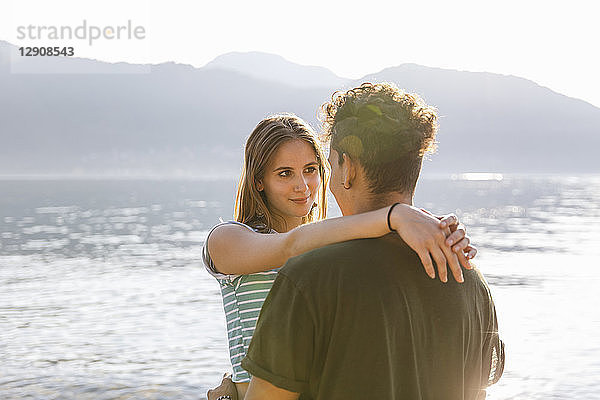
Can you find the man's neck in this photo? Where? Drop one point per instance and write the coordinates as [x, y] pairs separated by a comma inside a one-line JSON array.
[[375, 202]]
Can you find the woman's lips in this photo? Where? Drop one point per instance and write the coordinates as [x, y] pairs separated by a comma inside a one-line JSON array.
[[301, 200]]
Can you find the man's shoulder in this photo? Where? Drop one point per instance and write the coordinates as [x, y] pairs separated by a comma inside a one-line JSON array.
[[331, 258], [332, 253], [311, 262], [477, 282]]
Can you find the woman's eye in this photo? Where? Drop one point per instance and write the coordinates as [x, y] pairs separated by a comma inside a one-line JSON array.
[[311, 170], [285, 174]]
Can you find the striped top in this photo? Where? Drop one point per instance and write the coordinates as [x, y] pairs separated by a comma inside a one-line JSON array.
[[243, 297]]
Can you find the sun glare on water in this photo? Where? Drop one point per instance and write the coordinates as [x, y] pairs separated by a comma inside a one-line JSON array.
[[478, 176]]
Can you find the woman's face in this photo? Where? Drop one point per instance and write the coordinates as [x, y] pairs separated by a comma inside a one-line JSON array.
[[291, 181]]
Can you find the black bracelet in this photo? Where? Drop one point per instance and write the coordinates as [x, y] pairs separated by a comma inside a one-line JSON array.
[[389, 215]]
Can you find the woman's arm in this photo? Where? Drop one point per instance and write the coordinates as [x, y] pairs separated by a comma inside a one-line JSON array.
[[237, 250]]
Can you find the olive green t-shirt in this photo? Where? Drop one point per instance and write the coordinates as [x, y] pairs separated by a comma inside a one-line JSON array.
[[362, 320]]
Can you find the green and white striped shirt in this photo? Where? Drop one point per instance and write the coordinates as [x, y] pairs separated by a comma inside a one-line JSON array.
[[243, 297]]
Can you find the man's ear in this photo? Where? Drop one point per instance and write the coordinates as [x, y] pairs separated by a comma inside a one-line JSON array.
[[348, 171]]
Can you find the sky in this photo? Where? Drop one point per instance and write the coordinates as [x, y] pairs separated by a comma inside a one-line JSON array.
[[550, 42]]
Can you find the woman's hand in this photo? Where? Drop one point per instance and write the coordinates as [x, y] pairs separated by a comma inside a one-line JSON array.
[[427, 235], [458, 239], [456, 236]]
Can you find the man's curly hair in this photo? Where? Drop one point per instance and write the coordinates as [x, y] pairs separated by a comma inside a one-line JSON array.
[[386, 129]]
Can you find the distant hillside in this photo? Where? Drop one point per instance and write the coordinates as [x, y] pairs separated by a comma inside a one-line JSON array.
[[274, 68], [176, 119], [504, 122]]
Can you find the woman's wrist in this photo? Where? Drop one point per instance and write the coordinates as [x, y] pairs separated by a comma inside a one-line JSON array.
[[392, 217]]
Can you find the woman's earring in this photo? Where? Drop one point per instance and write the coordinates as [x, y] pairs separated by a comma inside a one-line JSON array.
[[346, 187]]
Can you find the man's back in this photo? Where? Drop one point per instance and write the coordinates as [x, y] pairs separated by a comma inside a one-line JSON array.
[[361, 319]]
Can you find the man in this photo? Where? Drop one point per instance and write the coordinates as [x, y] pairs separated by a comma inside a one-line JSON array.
[[359, 319]]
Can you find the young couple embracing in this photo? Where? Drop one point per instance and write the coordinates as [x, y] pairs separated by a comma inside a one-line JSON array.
[[360, 306]]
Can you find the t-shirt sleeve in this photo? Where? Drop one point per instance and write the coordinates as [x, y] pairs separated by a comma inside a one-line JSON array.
[[496, 356], [493, 353], [282, 348]]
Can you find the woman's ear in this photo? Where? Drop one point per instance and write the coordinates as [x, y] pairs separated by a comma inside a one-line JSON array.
[[259, 186]]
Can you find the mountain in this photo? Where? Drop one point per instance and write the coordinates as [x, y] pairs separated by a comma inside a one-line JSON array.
[[174, 119], [502, 122], [274, 68]]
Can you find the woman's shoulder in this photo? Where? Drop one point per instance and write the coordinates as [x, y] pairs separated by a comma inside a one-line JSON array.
[[228, 228], [218, 233], [227, 242], [232, 227], [228, 225]]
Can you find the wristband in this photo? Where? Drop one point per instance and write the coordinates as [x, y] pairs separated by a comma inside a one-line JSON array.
[[389, 216]]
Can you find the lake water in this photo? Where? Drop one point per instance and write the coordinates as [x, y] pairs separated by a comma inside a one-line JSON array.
[[103, 294]]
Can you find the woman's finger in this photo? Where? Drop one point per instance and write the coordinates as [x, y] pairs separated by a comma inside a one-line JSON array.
[[464, 260], [440, 261], [448, 221], [472, 252], [456, 226], [427, 263], [456, 237], [453, 263], [459, 247]]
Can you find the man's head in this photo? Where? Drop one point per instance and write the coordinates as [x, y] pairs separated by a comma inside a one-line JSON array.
[[378, 136]]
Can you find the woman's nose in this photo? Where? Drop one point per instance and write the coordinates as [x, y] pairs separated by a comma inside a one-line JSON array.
[[301, 185]]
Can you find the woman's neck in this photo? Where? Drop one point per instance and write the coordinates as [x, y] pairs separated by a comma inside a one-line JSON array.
[[282, 224]]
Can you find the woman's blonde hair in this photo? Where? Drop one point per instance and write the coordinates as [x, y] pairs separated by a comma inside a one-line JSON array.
[[251, 206]]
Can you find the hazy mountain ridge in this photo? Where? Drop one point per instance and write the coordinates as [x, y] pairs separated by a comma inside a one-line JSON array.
[[177, 119], [509, 115], [274, 68]]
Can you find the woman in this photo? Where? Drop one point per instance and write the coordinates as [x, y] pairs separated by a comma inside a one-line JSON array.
[[281, 191]]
